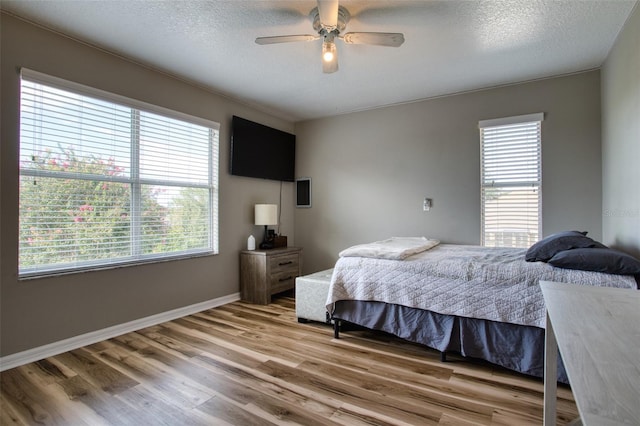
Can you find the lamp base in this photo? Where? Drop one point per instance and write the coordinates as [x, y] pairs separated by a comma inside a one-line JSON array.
[[266, 245]]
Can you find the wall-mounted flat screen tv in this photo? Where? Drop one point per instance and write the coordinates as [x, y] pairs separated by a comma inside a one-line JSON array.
[[260, 151]]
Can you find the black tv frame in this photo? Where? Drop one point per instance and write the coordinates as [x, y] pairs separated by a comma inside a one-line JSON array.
[[260, 151]]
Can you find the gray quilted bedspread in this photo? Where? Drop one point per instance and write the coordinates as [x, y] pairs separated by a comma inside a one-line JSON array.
[[471, 281]]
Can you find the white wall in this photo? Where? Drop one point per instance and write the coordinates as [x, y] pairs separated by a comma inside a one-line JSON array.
[[371, 170], [621, 140], [41, 311]]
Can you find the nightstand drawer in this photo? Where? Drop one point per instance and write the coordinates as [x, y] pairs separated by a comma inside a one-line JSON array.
[[285, 262], [284, 280]]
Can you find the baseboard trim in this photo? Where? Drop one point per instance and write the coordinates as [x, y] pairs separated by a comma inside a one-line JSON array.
[[55, 348]]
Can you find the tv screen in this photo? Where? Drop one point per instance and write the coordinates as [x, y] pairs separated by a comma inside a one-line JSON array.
[[262, 152]]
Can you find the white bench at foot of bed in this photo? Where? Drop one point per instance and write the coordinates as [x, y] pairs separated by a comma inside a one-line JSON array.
[[311, 296]]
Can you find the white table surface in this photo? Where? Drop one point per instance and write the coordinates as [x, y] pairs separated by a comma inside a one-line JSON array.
[[597, 330]]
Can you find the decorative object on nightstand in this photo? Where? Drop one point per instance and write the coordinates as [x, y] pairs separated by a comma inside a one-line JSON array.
[[264, 273], [266, 214], [279, 241]]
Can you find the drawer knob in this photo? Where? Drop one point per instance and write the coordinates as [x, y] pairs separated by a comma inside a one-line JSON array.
[[285, 263], [285, 279]]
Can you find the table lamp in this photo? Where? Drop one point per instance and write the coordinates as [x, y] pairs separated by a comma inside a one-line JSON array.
[[266, 214]]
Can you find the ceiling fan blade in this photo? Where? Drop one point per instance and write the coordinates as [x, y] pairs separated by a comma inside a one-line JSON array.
[[328, 11], [286, 39], [378, 39]]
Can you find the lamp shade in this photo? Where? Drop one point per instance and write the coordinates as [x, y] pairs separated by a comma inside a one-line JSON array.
[[266, 214]]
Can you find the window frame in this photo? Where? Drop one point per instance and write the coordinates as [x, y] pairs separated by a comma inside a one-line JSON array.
[[134, 179], [505, 123]]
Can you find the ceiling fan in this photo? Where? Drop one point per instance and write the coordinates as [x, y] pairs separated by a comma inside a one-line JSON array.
[[329, 21]]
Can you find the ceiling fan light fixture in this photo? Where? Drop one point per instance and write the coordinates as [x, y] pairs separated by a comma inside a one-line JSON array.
[[330, 21], [329, 51], [329, 54]]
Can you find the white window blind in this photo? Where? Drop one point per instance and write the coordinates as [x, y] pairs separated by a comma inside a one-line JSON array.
[[106, 180], [511, 180]]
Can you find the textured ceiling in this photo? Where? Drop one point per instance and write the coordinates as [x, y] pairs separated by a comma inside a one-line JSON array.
[[451, 46]]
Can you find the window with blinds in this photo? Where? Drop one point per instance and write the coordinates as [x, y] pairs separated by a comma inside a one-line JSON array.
[[511, 180], [106, 180]]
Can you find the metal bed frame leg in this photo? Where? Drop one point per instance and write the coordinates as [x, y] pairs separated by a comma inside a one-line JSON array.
[[443, 356]]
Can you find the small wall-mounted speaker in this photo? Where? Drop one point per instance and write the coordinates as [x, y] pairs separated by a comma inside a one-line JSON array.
[[303, 192]]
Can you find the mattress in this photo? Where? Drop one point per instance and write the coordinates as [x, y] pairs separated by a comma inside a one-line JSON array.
[[494, 284]]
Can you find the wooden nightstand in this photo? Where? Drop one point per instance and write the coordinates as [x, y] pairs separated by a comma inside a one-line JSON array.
[[264, 273]]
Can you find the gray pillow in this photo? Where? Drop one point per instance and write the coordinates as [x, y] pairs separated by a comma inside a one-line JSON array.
[[604, 260], [546, 248]]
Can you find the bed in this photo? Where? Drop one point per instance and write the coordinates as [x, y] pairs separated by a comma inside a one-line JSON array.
[[476, 301]]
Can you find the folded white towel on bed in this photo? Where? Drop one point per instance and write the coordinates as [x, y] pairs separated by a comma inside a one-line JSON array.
[[395, 248]]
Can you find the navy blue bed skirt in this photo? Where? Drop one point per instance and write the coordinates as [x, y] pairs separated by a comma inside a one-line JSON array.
[[516, 347]]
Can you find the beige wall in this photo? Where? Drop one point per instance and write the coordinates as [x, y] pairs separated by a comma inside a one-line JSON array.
[[371, 170], [41, 311], [621, 140]]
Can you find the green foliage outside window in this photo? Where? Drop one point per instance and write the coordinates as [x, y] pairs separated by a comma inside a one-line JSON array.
[[69, 220]]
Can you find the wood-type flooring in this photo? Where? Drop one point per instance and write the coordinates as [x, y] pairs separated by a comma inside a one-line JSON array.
[[243, 364]]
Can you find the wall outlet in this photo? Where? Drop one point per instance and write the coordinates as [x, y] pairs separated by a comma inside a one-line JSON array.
[[426, 205]]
